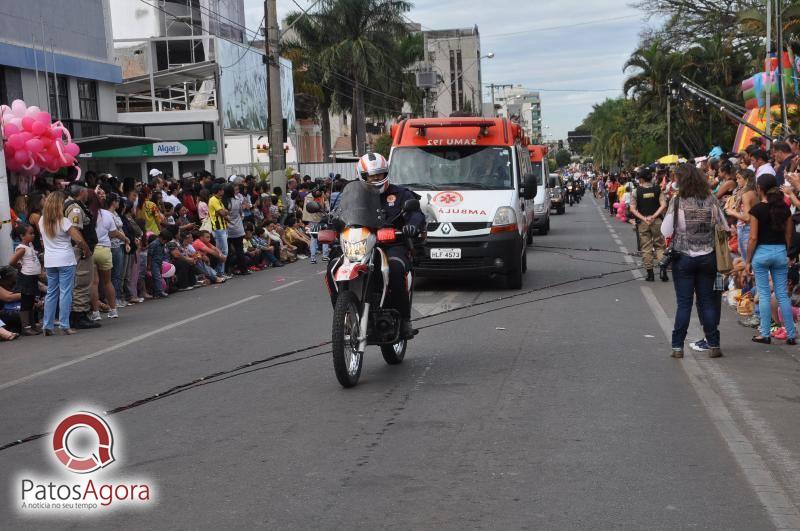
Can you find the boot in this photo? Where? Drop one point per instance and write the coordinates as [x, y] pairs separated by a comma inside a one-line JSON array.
[[27, 329], [407, 330], [81, 321], [651, 277], [663, 275]]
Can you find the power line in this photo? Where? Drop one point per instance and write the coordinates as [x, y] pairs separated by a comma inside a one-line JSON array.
[[341, 76], [563, 90], [244, 52], [586, 23]]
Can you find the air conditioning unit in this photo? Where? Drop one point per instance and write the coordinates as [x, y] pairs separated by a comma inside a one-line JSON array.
[[427, 79]]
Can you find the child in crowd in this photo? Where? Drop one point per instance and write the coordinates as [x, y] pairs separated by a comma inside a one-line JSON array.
[[155, 257], [27, 261]]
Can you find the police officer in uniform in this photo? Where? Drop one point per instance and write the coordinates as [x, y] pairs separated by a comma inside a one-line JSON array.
[[648, 205], [374, 169], [76, 211]]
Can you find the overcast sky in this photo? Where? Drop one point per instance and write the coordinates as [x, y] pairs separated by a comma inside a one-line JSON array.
[[556, 51]]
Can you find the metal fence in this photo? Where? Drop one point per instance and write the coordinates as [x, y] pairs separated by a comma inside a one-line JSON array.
[[315, 169], [323, 169]]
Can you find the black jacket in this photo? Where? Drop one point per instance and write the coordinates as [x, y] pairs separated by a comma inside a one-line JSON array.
[[393, 200]]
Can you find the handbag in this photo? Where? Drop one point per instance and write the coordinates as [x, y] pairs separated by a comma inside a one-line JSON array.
[[724, 260]]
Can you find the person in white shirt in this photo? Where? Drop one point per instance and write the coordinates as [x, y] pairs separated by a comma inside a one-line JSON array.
[[25, 258], [106, 228], [761, 163], [59, 261]]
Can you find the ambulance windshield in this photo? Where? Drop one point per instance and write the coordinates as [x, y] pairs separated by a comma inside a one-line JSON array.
[[452, 168]]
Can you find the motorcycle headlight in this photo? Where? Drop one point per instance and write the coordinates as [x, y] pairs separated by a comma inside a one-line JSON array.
[[538, 208], [354, 250], [356, 243]]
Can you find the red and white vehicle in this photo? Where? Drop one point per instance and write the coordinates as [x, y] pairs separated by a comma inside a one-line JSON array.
[[476, 176]]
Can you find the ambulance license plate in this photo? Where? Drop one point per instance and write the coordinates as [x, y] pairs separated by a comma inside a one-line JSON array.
[[445, 254]]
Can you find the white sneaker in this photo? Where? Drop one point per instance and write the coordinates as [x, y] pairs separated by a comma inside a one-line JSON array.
[[95, 316], [121, 304], [112, 314]]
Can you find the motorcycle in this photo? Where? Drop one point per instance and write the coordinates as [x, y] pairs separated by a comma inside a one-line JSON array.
[[361, 279], [570, 193]]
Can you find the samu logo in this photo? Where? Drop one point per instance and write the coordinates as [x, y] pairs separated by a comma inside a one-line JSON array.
[[83, 464]]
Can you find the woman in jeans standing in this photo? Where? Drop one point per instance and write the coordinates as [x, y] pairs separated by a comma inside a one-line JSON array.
[[119, 247], [746, 198], [771, 230], [694, 266], [59, 261], [233, 206]]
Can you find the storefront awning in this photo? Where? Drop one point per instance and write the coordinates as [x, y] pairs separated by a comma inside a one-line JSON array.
[[89, 144]]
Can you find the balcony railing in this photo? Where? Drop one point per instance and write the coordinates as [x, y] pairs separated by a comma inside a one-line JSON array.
[[86, 128]]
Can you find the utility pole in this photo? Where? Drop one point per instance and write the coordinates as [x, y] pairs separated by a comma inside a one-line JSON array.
[[277, 157], [5, 212], [767, 128], [669, 124]]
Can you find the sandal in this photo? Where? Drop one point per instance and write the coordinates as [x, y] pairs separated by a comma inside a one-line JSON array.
[[780, 334], [762, 340], [6, 335]]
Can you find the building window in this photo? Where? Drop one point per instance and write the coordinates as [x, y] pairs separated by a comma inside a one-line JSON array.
[[10, 85], [63, 97], [87, 99]]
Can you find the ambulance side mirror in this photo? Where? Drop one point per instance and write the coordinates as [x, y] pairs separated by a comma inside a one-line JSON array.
[[529, 191]]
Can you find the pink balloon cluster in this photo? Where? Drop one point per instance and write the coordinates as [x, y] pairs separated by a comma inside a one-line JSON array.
[[622, 214], [32, 142]]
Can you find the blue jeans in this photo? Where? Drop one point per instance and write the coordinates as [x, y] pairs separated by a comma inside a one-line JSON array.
[[117, 270], [155, 272], [605, 200], [771, 260], [695, 275], [221, 241], [743, 237], [59, 294], [314, 245]]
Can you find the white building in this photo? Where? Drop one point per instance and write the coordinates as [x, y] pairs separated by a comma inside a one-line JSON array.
[[187, 65], [47, 62], [523, 106], [454, 55]]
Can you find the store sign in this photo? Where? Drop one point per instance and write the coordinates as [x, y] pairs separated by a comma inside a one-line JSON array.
[[163, 149], [159, 149]]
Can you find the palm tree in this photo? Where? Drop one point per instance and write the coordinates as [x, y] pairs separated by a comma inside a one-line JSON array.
[[656, 65], [363, 33], [307, 43]]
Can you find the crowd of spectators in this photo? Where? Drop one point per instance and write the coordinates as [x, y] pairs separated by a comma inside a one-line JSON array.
[[118, 243], [755, 195]]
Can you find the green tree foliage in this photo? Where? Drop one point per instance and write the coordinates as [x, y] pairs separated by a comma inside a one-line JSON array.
[[714, 43], [383, 145], [563, 157], [353, 56]]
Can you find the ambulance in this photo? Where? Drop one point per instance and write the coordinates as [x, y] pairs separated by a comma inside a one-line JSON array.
[[476, 178]]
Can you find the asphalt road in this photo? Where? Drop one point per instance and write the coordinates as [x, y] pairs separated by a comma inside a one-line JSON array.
[[554, 408]]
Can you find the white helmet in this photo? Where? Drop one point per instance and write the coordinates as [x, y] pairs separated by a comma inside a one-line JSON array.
[[374, 164]]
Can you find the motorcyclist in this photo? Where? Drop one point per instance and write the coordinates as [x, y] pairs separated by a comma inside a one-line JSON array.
[[374, 169]]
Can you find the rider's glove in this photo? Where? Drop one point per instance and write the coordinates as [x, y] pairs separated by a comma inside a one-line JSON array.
[[410, 231]]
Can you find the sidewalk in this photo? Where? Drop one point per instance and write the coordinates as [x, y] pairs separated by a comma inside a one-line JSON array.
[[758, 385]]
